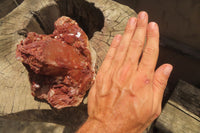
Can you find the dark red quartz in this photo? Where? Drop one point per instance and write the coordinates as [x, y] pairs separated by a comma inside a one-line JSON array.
[[59, 64]]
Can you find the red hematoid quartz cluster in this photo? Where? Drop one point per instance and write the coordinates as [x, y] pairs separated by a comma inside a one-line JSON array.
[[59, 64]]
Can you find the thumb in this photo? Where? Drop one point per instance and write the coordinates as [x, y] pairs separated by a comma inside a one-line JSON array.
[[161, 77]]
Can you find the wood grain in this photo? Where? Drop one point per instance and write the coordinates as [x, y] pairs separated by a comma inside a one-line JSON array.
[[16, 101], [6, 6], [181, 113], [116, 17], [14, 126], [15, 88]]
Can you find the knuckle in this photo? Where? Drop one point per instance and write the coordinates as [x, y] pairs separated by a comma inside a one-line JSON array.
[[159, 83], [144, 65], [149, 51], [109, 56], [122, 47], [114, 45], [137, 43], [132, 60], [151, 35], [141, 27], [128, 30]]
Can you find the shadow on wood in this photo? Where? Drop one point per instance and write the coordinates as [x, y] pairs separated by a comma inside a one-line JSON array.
[[100, 19], [162, 129], [15, 126], [12, 4], [71, 117], [182, 112], [41, 20], [89, 18]]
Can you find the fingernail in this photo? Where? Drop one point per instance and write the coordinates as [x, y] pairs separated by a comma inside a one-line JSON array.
[[142, 15], [167, 70], [153, 25]]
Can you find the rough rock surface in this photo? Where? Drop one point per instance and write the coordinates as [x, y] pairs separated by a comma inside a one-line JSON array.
[[59, 64], [100, 19]]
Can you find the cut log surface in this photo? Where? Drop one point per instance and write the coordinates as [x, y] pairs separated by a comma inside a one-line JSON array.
[[16, 101], [182, 112], [116, 17], [15, 126], [4, 4]]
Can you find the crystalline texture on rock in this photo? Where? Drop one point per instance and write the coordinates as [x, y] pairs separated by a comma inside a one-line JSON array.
[[59, 64]]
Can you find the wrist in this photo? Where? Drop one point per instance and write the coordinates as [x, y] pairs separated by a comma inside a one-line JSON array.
[[93, 125]]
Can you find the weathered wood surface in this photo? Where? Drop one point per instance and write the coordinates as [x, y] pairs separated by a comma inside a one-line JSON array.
[[7, 6], [16, 101], [15, 89], [182, 112], [186, 97], [15, 126]]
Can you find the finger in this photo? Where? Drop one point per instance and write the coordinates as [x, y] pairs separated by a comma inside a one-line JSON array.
[[151, 50], [137, 41], [159, 83], [105, 67], [122, 49], [110, 55]]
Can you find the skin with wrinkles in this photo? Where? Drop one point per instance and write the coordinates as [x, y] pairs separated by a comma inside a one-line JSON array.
[[127, 94]]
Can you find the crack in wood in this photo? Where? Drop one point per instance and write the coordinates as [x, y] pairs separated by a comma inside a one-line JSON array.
[[36, 15], [102, 41], [11, 33], [109, 37], [13, 102], [121, 21], [184, 111], [106, 9], [23, 32], [106, 35], [12, 72], [2, 22]]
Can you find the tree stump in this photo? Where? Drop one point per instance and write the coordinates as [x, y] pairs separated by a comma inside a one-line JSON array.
[[100, 19]]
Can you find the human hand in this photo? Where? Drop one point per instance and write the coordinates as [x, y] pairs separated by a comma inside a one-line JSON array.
[[128, 92]]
